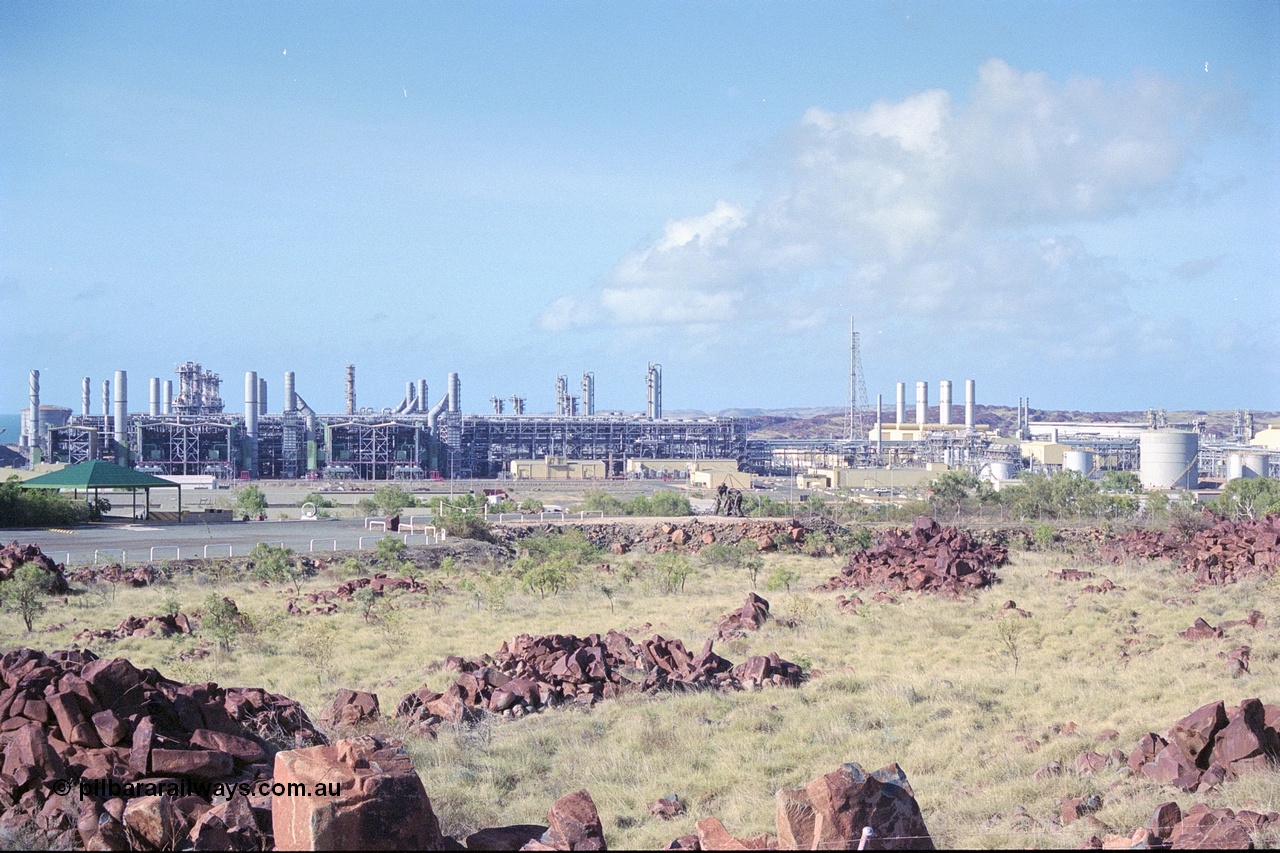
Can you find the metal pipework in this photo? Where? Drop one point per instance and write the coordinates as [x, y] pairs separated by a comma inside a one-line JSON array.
[[251, 404], [455, 394], [153, 401], [121, 431], [168, 397], [436, 411], [33, 423], [969, 401], [84, 396], [290, 393], [588, 393], [922, 403], [902, 403], [879, 423], [351, 389], [653, 389], [262, 396], [944, 402]]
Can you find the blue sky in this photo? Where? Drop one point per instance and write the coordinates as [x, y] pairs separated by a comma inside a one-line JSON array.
[[1079, 202]]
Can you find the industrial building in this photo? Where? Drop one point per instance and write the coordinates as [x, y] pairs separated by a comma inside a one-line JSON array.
[[193, 434]]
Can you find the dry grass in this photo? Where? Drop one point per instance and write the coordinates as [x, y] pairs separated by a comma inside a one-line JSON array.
[[928, 683]]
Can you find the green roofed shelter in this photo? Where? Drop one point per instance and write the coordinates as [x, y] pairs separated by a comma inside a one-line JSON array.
[[97, 475]]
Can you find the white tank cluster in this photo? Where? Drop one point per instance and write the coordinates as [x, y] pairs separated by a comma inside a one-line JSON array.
[[1247, 466]]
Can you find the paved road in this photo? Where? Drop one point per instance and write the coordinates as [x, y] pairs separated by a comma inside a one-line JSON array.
[[168, 541]]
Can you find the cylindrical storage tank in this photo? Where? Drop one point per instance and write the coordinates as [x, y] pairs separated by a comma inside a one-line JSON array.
[[968, 403], [1235, 466], [922, 403], [1080, 461], [455, 393], [1167, 459], [84, 396], [251, 404], [902, 402], [121, 425], [1255, 464], [168, 396], [290, 393], [262, 396], [153, 401], [1003, 470], [944, 401]]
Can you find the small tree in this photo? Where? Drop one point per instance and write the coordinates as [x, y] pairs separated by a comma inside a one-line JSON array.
[[25, 592], [531, 505], [673, 571], [781, 577], [222, 620], [251, 500], [391, 499], [365, 597], [391, 549], [277, 564]]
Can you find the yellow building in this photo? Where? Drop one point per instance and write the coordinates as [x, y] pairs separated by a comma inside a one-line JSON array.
[[559, 468], [1268, 438], [918, 432]]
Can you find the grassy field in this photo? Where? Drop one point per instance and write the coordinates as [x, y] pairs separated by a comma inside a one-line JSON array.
[[941, 687]]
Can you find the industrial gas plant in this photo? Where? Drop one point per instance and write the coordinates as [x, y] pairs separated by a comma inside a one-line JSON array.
[[192, 433]]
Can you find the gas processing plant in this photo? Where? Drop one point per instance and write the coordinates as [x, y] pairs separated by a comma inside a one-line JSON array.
[[193, 433]]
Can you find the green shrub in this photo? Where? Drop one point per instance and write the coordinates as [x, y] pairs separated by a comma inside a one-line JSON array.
[[251, 500], [25, 592]]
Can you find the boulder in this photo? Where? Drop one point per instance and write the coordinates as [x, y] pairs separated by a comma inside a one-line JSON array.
[[832, 810], [351, 707], [381, 803], [574, 824]]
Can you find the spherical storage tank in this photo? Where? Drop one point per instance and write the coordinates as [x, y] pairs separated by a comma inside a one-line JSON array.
[[1078, 460], [1167, 459]]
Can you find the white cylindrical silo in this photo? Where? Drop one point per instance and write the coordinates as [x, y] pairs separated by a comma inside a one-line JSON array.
[[1255, 464], [969, 403], [922, 403], [168, 397], [262, 396], [944, 401], [251, 404], [121, 425], [153, 400], [902, 403], [1167, 459], [1235, 466], [1080, 461]]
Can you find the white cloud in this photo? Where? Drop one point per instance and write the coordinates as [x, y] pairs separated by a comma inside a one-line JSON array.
[[954, 210]]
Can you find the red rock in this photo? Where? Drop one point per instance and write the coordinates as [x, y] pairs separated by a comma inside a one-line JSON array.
[[574, 824], [1173, 767], [1166, 817], [1194, 733], [832, 810], [351, 707], [713, 836], [195, 763], [382, 804], [154, 821], [1215, 829], [1089, 763], [1241, 746], [667, 807], [242, 749], [504, 837], [111, 729]]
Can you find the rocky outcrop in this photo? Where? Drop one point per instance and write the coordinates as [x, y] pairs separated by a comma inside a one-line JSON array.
[[13, 556], [360, 794], [351, 708], [531, 673], [70, 717], [753, 613], [1200, 828], [1211, 745], [929, 558], [1220, 554], [165, 625], [831, 811]]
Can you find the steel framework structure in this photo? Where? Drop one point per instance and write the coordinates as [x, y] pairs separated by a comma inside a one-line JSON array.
[[486, 445]]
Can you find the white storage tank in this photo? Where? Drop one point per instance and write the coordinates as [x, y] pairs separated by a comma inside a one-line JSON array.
[[1080, 461], [1235, 466], [1003, 470], [1254, 464], [1167, 459]]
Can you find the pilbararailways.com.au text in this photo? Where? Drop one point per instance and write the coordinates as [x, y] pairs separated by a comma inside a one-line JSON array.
[[109, 788]]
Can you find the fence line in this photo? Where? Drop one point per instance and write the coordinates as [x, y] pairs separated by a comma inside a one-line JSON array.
[[177, 552], [230, 550], [312, 546]]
